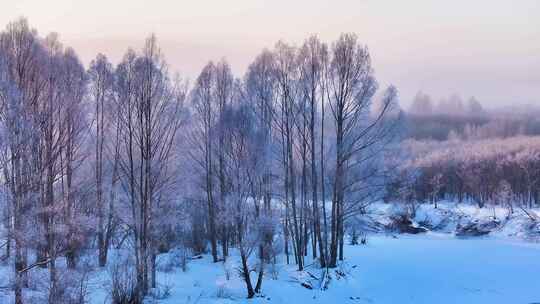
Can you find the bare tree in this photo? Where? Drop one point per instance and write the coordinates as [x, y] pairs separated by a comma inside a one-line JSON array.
[[260, 87], [313, 56], [286, 73], [252, 228], [223, 96], [149, 106], [205, 108], [101, 74], [351, 87], [74, 82], [19, 51]]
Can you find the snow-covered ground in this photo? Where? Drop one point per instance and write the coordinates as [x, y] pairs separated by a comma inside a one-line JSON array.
[[448, 216], [434, 267], [429, 268]]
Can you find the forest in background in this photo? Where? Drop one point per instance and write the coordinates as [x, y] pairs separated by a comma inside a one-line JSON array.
[[452, 118], [459, 150]]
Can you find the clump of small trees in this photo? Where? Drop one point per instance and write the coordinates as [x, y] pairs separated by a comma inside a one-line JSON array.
[[303, 127], [128, 156]]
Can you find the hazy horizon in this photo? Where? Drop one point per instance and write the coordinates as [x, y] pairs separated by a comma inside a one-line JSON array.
[[486, 49]]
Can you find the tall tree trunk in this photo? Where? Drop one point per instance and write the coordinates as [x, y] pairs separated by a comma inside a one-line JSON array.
[[260, 276], [324, 254], [246, 276], [337, 203], [210, 198]]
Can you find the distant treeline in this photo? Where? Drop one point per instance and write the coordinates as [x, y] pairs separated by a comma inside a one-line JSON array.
[[453, 118], [447, 126], [503, 172]]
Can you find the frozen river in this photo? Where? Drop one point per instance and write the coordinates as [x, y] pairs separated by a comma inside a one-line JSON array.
[[443, 269]]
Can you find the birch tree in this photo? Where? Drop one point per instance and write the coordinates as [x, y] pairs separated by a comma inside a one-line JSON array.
[[102, 93], [312, 57], [205, 108], [149, 106], [351, 87]]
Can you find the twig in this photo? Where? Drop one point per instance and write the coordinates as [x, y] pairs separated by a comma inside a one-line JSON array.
[[310, 274], [531, 215], [44, 262]]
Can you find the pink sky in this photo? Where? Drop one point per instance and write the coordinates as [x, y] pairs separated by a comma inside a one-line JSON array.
[[486, 48]]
